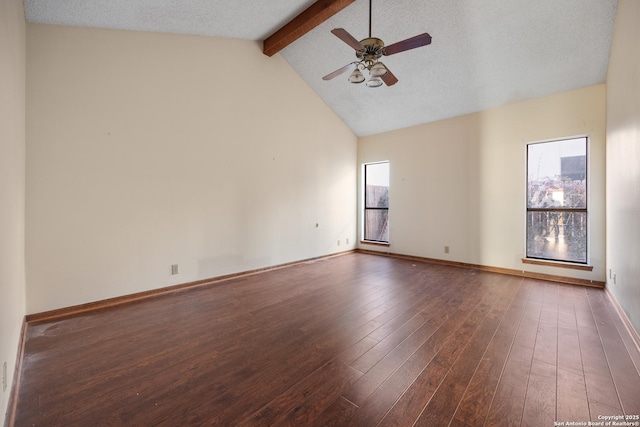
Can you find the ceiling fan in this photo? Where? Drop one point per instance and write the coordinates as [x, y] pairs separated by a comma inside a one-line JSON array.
[[369, 51]]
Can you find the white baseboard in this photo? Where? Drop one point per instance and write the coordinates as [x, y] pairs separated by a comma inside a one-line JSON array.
[[635, 337]]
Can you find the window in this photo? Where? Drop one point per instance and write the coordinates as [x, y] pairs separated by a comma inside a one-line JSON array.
[[557, 200], [376, 202]]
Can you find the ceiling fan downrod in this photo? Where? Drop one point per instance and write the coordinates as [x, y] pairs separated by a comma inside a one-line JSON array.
[[370, 18]]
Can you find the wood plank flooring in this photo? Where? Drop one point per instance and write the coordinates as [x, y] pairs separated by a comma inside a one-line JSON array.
[[353, 340]]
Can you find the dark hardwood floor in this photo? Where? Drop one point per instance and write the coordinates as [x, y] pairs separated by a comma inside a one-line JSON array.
[[353, 340]]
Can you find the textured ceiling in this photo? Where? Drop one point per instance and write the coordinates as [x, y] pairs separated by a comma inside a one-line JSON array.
[[485, 53], [238, 19]]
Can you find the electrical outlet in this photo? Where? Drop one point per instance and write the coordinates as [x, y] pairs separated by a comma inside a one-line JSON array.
[[446, 249], [4, 376], [614, 278], [347, 240], [338, 242], [610, 274], [174, 269]]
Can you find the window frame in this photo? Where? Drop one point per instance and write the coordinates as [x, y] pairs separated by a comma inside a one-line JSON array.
[[365, 208], [582, 210]]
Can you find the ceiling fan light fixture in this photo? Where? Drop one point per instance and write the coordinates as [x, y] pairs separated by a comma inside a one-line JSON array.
[[378, 70], [374, 82], [356, 76]]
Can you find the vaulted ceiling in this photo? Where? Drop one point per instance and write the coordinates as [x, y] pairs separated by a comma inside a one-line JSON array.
[[484, 53]]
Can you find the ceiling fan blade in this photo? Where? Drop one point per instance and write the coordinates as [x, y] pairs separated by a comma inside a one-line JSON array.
[[343, 35], [339, 71], [412, 43], [389, 79]]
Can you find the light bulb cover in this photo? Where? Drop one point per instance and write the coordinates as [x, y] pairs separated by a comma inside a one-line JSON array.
[[374, 82], [356, 76], [378, 70]]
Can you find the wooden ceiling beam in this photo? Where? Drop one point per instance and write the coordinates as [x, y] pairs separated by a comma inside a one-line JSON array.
[[313, 16]]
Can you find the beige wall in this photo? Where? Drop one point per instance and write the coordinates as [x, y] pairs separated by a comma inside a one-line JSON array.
[[623, 160], [12, 187], [147, 150], [461, 182]]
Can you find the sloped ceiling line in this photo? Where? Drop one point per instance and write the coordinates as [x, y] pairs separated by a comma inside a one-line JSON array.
[[484, 54]]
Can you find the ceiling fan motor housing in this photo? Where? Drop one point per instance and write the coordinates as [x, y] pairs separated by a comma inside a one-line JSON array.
[[374, 49]]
